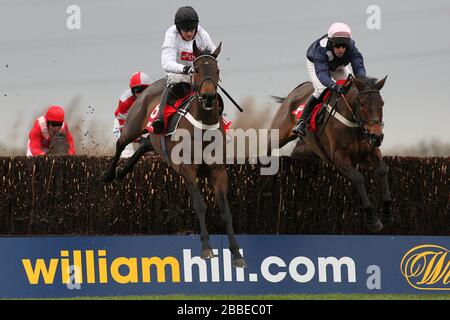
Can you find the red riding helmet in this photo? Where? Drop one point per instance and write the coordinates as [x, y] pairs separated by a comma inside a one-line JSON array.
[[55, 113], [139, 79]]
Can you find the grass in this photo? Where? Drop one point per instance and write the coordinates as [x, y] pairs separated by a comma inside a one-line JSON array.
[[282, 297]]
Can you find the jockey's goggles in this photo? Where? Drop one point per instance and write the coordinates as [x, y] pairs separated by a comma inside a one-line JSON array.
[[340, 45], [139, 89], [188, 30], [55, 123]]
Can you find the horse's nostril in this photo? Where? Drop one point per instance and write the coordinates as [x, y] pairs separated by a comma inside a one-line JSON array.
[[208, 101], [207, 96], [376, 140]]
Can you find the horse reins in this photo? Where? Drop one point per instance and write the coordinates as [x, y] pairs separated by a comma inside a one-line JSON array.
[[205, 78], [361, 123]]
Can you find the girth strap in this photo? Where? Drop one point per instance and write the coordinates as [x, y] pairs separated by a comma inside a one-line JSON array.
[[164, 148]]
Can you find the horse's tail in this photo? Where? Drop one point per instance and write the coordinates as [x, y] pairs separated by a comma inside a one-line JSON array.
[[278, 99]]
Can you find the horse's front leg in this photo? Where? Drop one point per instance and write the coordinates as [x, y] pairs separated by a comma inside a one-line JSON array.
[[219, 181], [343, 164], [280, 138], [381, 172], [189, 173], [110, 173]]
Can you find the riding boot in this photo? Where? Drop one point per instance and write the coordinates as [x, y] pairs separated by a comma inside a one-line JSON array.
[[300, 127], [158, 124]]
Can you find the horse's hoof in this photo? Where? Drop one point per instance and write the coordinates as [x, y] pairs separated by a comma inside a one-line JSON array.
[[239, 263], [375, 226], [207, 254]]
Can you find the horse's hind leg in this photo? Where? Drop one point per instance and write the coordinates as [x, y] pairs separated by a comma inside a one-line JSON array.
[[219, 181], [343, 163], [189, 173], [284, 137], [129, 165], [110, 173]]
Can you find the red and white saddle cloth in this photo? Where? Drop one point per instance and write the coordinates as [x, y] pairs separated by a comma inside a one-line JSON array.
[[170, 110], [313, 118]]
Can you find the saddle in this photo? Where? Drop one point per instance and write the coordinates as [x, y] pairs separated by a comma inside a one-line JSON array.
[[174, 113], [317, 115]]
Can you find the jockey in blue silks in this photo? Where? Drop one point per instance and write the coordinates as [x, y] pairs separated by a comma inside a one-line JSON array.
[[328, 60]]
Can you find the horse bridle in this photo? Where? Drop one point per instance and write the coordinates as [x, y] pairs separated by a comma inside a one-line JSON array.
[[362, 123], [199, 87]]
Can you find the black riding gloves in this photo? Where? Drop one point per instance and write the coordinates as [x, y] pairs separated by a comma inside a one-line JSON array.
[[338, 88], [187, 69]]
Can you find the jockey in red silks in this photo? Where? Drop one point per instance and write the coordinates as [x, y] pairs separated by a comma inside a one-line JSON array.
[[139, 81], [44, 128]]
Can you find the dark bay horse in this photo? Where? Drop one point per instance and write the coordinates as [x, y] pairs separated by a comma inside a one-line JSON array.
[[204, 116], [351, 135]]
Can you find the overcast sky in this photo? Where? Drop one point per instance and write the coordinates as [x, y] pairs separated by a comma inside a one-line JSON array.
[[42, 62]]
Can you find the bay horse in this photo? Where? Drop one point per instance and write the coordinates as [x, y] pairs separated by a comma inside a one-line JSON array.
[[58, 144], [203, 115], [351, 134]]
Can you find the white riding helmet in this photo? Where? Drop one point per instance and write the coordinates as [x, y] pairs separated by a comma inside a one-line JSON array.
[[339, 33]]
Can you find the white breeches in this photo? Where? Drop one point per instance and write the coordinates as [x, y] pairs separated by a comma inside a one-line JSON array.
[[338, 74]]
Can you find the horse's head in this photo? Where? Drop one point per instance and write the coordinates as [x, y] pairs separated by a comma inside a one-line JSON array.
[[368, 106], [58, 144], [206, 76]]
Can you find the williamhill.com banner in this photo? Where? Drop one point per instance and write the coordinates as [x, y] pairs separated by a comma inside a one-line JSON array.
[[162, 265]]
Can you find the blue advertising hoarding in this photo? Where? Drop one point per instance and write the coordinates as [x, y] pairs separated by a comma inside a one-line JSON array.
[[161, 265]]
